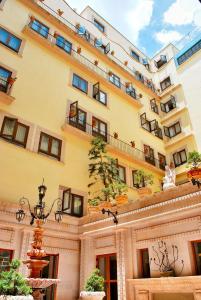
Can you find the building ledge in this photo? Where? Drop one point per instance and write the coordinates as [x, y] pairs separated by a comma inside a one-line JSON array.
[[166, 117], [180, 137], [169, 90], [5, 98]]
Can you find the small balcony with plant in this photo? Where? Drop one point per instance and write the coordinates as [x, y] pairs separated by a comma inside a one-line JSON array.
[[6, 83]]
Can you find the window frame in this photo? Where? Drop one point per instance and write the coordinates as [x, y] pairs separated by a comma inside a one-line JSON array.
[[150, 158], [13, 136], [100, 26], [40, 27], [166, 82], [76, 122], [124, 173], [64, 43], [137, 185], [115, 79], [79, 87], [51, 138], [98, 133], [10, 35], [96, 93], [71, 206], [11, 254], [167, 130], [161, 166], [135, 55], [179, 153], [154, 106], [5, 89], [167, 104]]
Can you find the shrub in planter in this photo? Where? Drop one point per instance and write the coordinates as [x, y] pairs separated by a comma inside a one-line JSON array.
[[94, 288], [13, 285], [194, 162], [143, 180]]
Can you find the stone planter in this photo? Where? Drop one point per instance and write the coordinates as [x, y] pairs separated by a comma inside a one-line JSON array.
[[121, 199], [92, 295], [144, 191], [4, 297], [167, 273]]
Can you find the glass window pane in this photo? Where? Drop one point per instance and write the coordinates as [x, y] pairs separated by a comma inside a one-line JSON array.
[[77, 205], [102, 128], [122, 173], [5, 259], [60, 41], [102, 97], [55, 147], [102, 266], [113, 291], [44, 30], [14, 43], [67, 204], [44, 143], [113, 268], [183, 156], [3, 36], [9, 127], [21, 133], [35, 25]]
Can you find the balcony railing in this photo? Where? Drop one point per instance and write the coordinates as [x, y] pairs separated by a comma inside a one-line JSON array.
[[4, 85], [116, 143], [85, 61], [92, 40]]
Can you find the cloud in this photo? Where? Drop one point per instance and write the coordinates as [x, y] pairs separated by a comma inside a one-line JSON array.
[[165, 37], [183, 12], [139, 17]]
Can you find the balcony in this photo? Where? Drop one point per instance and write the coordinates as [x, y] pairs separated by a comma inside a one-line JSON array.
[[75, 55], [185, 133], [82, 32], [5, 89], [86, 131], [151, 126]]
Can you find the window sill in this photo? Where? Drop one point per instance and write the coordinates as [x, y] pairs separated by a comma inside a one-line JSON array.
[[5, 98]]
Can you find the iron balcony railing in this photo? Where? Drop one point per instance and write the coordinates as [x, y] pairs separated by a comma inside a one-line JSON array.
[[115, 142], [92, 40], [85, 61]]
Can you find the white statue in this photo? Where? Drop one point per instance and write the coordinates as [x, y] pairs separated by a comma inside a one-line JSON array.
[[169, 179]]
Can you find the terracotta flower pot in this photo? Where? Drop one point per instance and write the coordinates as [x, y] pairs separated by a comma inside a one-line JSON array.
[[92, 295], [79, 50], [121, 199], [105, 204], [194, 173], [144, 191]]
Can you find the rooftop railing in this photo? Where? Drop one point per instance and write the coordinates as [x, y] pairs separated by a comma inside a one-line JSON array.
[[85, 61], [122, 146], [92, 40]]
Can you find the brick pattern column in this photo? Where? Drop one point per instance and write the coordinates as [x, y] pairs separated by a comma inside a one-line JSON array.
[[121, 272]]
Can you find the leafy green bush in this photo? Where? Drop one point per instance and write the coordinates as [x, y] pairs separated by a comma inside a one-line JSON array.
[[194, 159], [142, 176], [95, 283], [13, 283]]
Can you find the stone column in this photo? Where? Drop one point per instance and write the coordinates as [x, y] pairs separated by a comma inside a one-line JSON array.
[[121, 265], [87, 260], [25, 245], [197, 295]]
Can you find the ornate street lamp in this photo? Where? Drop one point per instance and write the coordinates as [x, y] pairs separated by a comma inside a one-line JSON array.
[[38, 212], [109, 212]]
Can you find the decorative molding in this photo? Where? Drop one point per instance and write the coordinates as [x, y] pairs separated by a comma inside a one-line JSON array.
[[105, 241]]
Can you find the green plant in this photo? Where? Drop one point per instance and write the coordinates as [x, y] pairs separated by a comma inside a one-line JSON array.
[[104, 173], [142, 176], [194, 159], [95, 283], [94, 202], [13, 283]]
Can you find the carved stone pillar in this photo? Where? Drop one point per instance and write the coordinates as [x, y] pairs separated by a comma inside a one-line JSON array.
[[26, 241], [121, 265], [87, 260]]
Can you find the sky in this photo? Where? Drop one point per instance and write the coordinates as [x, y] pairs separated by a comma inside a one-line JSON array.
[[148, 24]]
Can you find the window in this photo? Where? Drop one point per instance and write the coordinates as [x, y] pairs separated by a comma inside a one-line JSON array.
[[162, 161], [107, 264], [5, 76], [136, 184], [122, 173], [50, 145], [115, 80], [77, 117], [72, 204], [5, 259], [131, 91], [14, 131], [180, 158], [169, 105], [148, 125], [144, 263], [80, 83], [40, 28], [9, 40], [99, 25], [81, 30], [154, 106], [197, 252], [135, 55], [64, 44], [195, 48], [99, 128], [165, 83], [98, 94], [173, 130], [161, 61], [149, 155]]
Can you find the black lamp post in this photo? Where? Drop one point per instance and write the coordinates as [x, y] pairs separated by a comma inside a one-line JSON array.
[[38, 211], [109, 212]]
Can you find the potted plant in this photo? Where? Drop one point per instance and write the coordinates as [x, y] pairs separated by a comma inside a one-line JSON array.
[[96, 62], [60, 12], [93, 205], [126, 63], [194, 161], [94, 288], [142, 180], [79, 50], [132, 144], [105, 183], [13, 285], [115, 134]]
